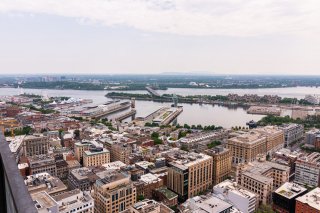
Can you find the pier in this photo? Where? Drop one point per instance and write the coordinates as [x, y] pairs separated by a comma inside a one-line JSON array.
[[126, 115]]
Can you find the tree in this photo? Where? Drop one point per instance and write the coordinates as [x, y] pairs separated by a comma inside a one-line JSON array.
[[140, 197]]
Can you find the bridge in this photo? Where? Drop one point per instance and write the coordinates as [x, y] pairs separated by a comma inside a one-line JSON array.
[[152, 92], [126, 115]]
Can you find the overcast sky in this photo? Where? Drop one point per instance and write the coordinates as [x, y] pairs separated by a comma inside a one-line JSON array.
[[155, 36]]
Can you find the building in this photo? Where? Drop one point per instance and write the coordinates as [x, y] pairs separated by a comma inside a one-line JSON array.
[[262, 178], [307, 170], [44, 203], [292, 133], [42, 163], [35, 145], [309, 202], [96, 156], [246, 147], [241, 198], [147, 183], [114, 193], [284, 198], [80, 148], [166, 196], [121, 152], [221, 166], [311, 136], [149, 206], [189, 174], [15, 145], [192, 140], [209, 203], [74, 201], [44, 182], [83, 178]]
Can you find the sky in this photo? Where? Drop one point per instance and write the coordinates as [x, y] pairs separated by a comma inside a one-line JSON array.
[[160, 36]]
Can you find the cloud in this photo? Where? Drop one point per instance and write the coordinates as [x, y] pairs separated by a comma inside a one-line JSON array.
[[185, 17]]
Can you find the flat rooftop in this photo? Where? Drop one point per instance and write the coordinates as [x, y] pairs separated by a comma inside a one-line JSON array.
[[290, 190], [312, 198]]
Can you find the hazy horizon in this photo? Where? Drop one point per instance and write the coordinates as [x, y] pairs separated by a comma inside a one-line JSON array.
[[217, 37]]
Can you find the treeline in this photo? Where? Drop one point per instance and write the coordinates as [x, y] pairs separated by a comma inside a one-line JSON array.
[[310, 122]]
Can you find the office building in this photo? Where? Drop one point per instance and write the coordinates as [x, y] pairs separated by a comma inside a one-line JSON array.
[[44, 203], [221, 166], [44, 182], [114, 193], [121, 152], [246, 147], [309, 202], [74, 201], [208, 203], [307, 170], [189, 173], [96, 156], [292, 133], [262, 178], [42, 163], [284, 198], [83, 178], [80, 148], [35, 145]]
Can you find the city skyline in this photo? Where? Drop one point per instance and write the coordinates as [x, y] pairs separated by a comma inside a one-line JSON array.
[[152, 37]]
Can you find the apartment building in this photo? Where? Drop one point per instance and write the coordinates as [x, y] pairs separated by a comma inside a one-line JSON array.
[[35, 145], [246, 147], [307, 170], [292, 133], [284, 198], [114, 193], [309, 202], [147, 183], [242, 199], [262, 178], [221, 164], [96, 156], [189, 174]]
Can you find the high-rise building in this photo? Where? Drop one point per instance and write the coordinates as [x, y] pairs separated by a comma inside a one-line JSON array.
[[246, 147], [307, 170], [189, 174], [221, 166], [284, 198], [96, 156], [35, 145], [114, 193], [309, 202], [149, 206]]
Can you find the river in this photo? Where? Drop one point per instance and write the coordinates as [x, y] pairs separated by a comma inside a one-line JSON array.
[[192, 113]]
